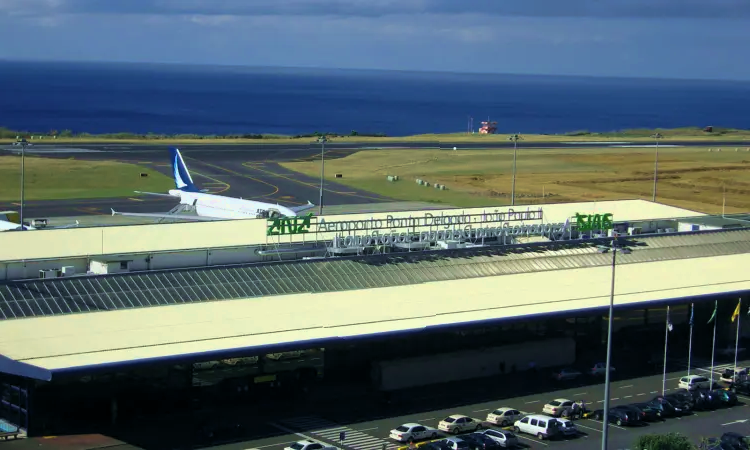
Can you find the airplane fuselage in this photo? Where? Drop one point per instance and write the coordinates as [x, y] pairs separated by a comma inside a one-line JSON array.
[[209, 205]]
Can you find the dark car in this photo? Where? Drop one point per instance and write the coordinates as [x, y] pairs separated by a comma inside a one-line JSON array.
[[665, 408], [742, 387], [436, 445], [651, 414], [478, 441], [727, 398], [700, 399], [636, 411], [682, 404], [616, 416], [735, 441]]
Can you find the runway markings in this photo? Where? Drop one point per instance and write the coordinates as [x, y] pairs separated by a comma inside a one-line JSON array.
[[313, 185], [135, 199], [276, 188]]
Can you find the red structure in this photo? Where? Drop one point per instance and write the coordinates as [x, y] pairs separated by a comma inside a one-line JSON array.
[[488, 128]]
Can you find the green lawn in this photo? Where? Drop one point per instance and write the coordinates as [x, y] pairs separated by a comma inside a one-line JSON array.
[[58, 179]]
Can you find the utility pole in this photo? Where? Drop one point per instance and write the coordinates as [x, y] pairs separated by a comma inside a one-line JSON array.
[[514, 138], [656, 137], [322, 140], [608, 368], [23, 177]]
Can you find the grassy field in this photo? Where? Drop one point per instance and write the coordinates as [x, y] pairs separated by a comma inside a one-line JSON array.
[[57, 179], [681, 134], [691, 178]]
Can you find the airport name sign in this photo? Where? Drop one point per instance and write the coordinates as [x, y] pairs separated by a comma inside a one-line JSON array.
[[590, 222], [428, 220], [289, 225]]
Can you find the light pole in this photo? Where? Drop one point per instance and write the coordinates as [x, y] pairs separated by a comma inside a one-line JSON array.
[[656, 137], [322, 140], [23, 175], [514, 138], [605, 425]]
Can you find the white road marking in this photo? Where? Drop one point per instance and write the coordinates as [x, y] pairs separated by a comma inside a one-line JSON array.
[[532, 440], [429, 418], [641, 394], [611, 425], [580, 393], [613, 399], [481, 410], [627, 396], [744, 398], [672, 379], [589, 428], [599, 401], [368, 429], [623, 387], [535, 401], [264, 446], [287, 430], [654, 392]]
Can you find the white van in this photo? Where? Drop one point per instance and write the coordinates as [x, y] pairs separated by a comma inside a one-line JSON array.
[[541, 426], [693, 382]]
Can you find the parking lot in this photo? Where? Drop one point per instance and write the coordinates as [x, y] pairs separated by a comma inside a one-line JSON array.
[[374, 434]]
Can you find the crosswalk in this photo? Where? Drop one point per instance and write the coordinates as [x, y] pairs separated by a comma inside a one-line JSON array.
[[320, 428], [703, 367]]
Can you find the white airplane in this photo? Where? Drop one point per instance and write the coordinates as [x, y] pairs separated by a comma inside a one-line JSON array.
[[210, 206]]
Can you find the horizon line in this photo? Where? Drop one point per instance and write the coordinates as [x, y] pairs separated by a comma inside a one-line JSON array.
[[352, 69]]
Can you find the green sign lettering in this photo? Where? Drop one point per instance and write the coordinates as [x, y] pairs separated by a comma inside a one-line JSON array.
[[590, 222], [288, 225]]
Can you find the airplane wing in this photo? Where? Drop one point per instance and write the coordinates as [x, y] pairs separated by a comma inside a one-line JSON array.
[[165, 216], [155, 194], [299, 209]]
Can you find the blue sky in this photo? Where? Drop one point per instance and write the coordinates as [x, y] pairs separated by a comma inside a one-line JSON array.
[[647, 38]]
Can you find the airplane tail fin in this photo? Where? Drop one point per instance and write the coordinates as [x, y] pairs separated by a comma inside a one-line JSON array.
[[182, 179]]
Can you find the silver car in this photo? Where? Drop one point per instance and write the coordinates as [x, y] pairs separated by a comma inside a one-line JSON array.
[[506, 439]]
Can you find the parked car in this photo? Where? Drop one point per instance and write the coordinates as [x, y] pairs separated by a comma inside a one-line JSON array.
[[411, 432], [459, 423], [309, 445], [600, 369], [478, 441], [742, 387], [682, 405], [638, 412], [729, 375], [692, 382], [707, 399], [567, 373], [454, 443], [650, 414], [619, 417], [504, 416], [506, 439], [541, 426], [727, 398], [736, 441], [558, 407], [435, 445], [567, 427]]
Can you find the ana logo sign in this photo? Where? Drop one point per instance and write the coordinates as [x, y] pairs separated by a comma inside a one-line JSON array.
[[591, 222], [289, 225]]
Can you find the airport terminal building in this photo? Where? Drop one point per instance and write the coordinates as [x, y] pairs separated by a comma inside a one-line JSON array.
[[109, 323]]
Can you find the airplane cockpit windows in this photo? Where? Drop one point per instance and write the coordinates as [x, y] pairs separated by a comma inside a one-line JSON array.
[[272, 213]]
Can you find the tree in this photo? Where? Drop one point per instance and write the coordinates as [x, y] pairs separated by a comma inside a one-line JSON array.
[[671, 441]]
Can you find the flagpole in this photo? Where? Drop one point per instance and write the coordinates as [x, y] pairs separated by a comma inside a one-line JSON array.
[[666, 340], [737, 341], [713, 347], [690, 345]]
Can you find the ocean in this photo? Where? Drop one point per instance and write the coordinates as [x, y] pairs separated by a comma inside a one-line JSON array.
[[184, 99]]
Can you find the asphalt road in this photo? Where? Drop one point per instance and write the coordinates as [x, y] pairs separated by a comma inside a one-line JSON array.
[[367, 425], [250, 171]]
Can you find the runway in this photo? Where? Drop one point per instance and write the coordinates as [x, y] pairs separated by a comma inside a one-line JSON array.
[[251, 171]]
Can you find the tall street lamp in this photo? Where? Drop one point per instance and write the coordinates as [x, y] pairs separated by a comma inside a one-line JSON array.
[[656, 137], [514, 138], [23, 175], [322, 140], [608, 369]]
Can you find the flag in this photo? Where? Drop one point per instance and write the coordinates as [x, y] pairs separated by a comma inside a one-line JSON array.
[[692, 310], [713, 316], [736, 311]]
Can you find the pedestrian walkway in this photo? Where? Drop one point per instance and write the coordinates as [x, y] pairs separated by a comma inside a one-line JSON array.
[[330, 431], [703, 366]]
